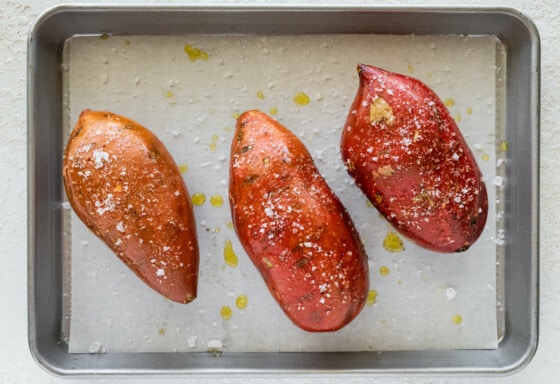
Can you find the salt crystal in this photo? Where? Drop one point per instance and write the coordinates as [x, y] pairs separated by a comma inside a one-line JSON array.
[[215, 345], [191, 341], [498, 180], [96, 347], [99, 157], [450, 293]]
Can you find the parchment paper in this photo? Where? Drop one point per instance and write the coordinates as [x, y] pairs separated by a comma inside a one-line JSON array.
[[427, 301]]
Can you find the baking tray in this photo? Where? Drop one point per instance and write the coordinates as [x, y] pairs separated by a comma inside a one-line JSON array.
[[519, 272]]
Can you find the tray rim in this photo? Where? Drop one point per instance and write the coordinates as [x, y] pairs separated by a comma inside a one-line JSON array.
[[60, 362]]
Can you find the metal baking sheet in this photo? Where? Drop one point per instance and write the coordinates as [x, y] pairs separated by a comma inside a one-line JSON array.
[[212, 23]]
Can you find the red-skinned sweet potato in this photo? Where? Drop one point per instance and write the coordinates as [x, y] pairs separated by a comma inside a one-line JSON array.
[[124, 185], [293, 227], [406, 153]]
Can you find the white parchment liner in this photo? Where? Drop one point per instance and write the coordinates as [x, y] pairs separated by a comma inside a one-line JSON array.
[[427, 301]]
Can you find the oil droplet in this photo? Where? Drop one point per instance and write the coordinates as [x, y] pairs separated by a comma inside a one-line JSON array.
[[485, 157], [301, 98], [226, 312], [183, 168], [381, 112], [267, 262], [216, 200], [457, 319], [429, 74], [229, 255], [169, 94], [371, 297], [410, 68], [213, 144], [229, 224], [503, 146], [241, 302], [469, 111], [384, 271], [195, 53], [227, 128], [392, 243], [449, 102], [273, 111], [104, 36], [235, 115], [127, 42], [161, 331], [260, 95], [458, 118], [198, 198]]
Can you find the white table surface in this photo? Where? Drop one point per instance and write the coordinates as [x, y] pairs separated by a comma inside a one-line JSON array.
[[16, 362]]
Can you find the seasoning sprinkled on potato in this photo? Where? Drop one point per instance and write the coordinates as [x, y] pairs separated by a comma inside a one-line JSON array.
[[294, 228], [124, 185], [407, 154]]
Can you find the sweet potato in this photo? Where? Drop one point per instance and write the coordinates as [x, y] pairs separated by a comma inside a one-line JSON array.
[[406, 153], [124, 185], [293, 227]]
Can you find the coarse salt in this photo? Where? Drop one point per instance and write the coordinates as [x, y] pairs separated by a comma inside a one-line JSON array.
[[191, 341], [450, 293], [498, 180], [215, 345], [96, 347], [99, 157], [269, 212]]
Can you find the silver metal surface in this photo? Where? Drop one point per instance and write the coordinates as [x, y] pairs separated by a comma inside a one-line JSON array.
[[46, 223]]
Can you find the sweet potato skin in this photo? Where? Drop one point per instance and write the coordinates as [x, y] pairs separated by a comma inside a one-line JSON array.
[[293, 227], [124, 185], [407, 155]]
